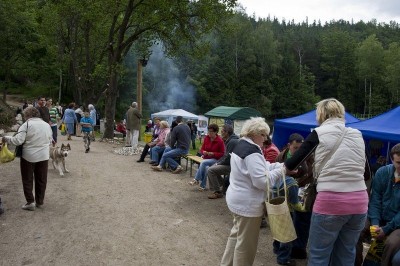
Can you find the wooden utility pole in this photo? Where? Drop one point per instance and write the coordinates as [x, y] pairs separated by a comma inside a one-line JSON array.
[[139, 85]]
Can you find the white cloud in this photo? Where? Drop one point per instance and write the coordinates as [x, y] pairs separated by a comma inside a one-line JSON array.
[[325, 10]]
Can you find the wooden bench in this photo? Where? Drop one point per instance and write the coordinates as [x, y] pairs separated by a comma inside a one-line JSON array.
[[193, 159], [118, 135]]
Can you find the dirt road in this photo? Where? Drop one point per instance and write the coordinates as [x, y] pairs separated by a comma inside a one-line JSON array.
[[111, 210]]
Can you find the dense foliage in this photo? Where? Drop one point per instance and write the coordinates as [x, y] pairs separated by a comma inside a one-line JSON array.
[[87, 52]]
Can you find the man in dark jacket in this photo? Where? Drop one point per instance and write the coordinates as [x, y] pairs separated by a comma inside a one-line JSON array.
[[43, 110], [223, 166]]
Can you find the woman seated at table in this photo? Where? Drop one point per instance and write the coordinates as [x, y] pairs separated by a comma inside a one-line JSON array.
[[158, 145], [212, 149]]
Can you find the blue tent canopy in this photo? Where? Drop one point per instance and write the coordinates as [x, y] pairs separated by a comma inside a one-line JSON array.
[[302, 124], [385, 127]]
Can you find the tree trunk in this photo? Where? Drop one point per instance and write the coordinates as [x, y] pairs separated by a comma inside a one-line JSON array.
[[59, 87], [111, 99]]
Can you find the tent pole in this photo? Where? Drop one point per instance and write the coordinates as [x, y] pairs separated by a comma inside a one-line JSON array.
[[387, 153]]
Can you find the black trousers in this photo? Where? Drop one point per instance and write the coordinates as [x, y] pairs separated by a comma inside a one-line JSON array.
[[34, 171], [144, 152]]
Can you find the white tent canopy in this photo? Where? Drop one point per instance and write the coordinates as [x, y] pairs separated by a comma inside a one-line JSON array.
[[171, 114]]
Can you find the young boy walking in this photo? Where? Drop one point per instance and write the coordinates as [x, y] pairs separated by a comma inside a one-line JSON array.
[[86, 124]]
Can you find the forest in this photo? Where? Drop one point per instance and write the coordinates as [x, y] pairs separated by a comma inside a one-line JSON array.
[[199, 55]]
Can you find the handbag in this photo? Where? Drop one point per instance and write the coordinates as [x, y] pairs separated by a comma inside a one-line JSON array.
[[5, 154], [18, 151], [310, 192], [309, 196], [19, 148], [279, 218]]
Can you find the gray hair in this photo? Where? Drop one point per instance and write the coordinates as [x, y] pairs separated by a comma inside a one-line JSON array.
[[134, 104], [254, 126], [31, 112], [228, 129], [91, 107]]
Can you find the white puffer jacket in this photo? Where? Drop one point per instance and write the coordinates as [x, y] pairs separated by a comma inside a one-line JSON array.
[[344, 171]]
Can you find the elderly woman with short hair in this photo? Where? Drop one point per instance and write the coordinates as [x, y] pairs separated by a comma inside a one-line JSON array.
[[158, 144], [246, 193], [36, 137], [340, 181]]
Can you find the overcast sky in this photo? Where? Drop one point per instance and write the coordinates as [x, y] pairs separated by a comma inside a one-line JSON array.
[[325, 10]]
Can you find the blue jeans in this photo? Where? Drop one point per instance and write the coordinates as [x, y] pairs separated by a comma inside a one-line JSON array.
[[396, 259], [302, 222], [333, 238], [156, 153], [282, 251], [54, 130], [201, 174], [169, 156]]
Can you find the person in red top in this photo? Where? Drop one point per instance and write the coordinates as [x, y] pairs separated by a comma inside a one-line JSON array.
[[212, 149], [121, 128], [270, 151]]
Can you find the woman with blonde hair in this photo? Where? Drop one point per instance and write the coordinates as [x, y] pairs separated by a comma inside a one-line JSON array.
[[339, 167], [246, 192]]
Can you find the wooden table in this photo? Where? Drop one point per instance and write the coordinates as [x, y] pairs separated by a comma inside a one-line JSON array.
[[194, 159]]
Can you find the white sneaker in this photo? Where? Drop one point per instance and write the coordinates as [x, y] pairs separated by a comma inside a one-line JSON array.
[[177, 170], [29, 207]]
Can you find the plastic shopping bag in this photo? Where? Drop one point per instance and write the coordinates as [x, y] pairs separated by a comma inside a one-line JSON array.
[[63, 129], [5, 154]]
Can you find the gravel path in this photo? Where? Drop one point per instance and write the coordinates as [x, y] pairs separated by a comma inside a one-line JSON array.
[[111, 210]]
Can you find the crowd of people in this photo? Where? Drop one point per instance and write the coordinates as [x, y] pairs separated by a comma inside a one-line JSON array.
[[332, 157]]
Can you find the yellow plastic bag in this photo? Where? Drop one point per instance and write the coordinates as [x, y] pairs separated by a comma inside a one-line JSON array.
[[63, 129], [5, 154]]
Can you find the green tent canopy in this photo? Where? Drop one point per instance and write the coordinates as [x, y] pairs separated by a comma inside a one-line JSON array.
[[233, 113], [235, 116]]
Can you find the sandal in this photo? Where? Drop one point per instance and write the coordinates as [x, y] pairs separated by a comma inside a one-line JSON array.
[[193, 182]]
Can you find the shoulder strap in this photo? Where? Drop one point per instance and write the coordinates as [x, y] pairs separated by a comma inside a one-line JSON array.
[[327, 157]]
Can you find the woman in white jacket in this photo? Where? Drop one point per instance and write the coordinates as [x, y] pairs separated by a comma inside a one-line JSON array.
[[36, 137], [341, 205], [246, 193]]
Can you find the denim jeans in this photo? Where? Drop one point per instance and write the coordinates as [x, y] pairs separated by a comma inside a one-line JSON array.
[[54, 130], [396, 259], [156, 153], [282, 251], [333, 238], [201, 174], [169, 156], [302, 222]]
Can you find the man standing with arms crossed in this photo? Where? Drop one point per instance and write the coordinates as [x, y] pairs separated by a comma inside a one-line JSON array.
[[133, 124]]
